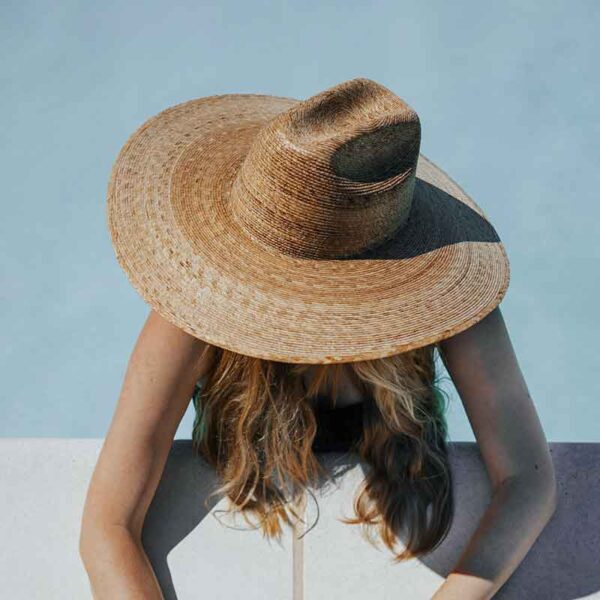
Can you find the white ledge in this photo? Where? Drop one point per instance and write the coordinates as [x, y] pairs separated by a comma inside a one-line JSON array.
[[44, 482]]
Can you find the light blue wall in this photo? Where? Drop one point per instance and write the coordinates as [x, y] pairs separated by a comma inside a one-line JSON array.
[[507, 93]]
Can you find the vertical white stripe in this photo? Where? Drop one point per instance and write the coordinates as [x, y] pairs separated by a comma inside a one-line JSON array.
[[298, 552]]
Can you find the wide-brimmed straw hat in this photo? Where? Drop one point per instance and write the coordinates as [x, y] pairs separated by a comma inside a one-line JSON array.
[[302, 231]]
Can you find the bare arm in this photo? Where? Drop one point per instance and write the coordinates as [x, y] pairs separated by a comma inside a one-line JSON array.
[[485, 371], [162, 370]]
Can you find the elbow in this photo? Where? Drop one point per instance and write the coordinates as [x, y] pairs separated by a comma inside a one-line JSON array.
[[541, 490], [548, 499], [89, 539], [97, 535], [86, 547], [85, 536], [538, 490], [90, 533], [552, 492], [100, 528], [99, 541], [547, 488]]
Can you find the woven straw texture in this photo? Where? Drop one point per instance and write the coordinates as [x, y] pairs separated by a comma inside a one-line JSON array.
[[301, 231]]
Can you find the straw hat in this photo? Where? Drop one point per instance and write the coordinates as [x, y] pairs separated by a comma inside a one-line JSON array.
[[301, 231]]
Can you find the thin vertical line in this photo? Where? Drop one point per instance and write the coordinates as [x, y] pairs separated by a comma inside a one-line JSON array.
[[298, 551]]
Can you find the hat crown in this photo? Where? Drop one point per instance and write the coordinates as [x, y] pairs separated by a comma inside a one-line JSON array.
[[333, 175]]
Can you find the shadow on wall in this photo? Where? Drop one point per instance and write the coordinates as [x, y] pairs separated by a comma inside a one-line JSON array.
[[562, 565]]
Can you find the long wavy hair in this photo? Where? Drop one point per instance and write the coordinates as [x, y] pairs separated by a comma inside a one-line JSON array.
[[255, 424]]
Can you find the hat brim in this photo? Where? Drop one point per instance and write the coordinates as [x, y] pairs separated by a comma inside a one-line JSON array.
[[182, 250]]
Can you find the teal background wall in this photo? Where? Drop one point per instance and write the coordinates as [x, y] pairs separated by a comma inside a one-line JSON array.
[[507, 93]]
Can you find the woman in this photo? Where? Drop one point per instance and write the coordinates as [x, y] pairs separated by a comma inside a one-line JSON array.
[[305, 264]]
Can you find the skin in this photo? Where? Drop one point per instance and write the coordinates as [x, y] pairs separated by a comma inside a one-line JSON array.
[[483, 366], [156, 391]]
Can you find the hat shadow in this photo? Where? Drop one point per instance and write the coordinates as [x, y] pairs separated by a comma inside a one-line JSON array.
[[437, 219], [561, 565]]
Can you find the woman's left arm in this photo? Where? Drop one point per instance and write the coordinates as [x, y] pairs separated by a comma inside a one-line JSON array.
[[486, 373]]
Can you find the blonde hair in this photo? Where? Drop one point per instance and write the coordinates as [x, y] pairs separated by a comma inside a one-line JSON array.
[[255, 425]]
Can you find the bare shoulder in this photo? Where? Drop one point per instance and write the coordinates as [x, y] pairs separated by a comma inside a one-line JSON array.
[[163, 368], [171, 340], [483, 354], [485, 370]]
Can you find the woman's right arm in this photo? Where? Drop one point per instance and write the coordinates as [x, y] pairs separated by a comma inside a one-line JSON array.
[[164, 366]]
